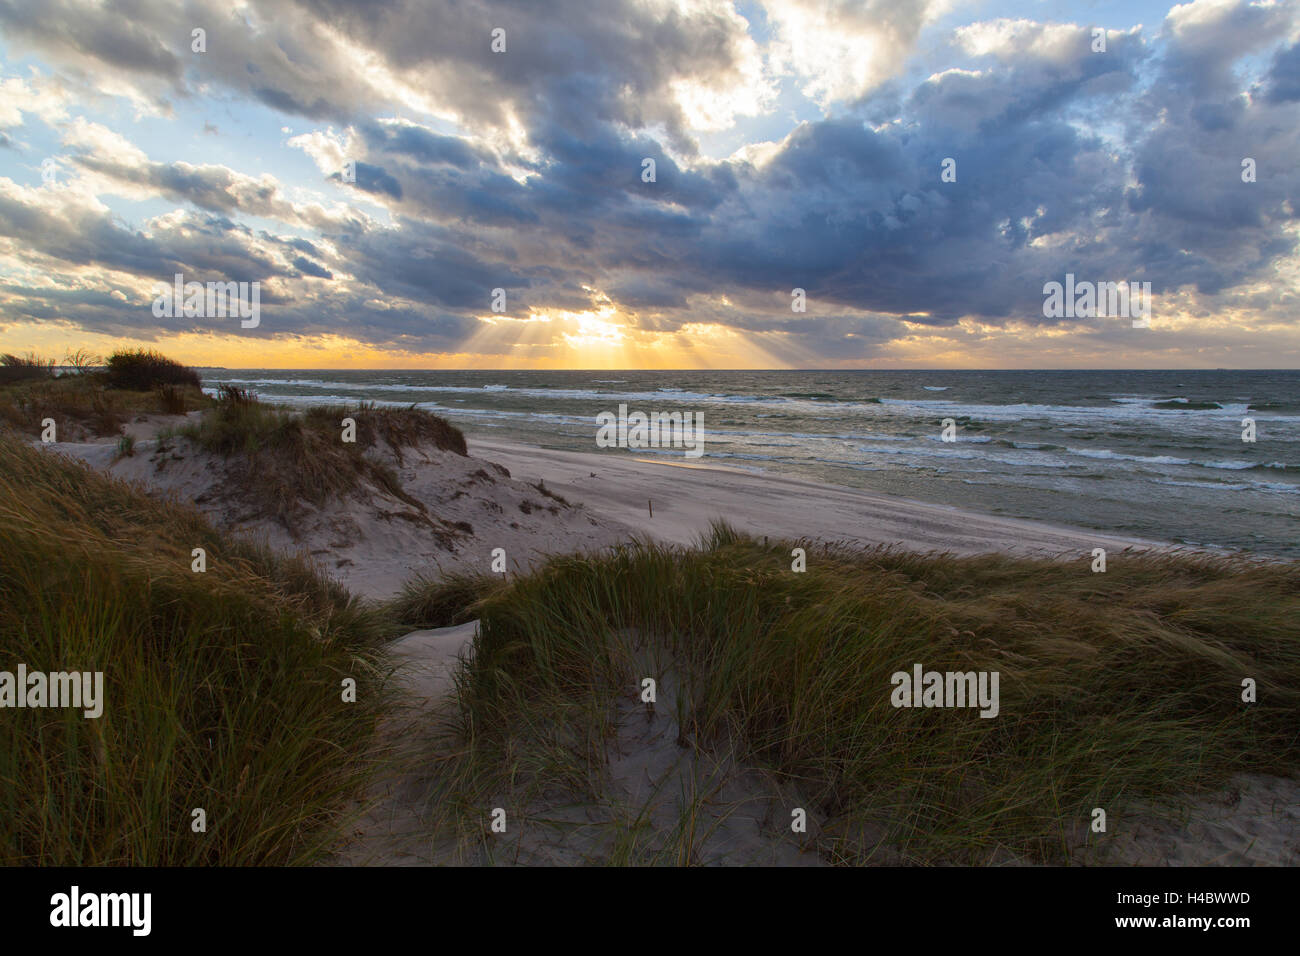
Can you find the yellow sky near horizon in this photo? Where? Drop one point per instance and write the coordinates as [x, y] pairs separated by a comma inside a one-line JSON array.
[[599, 341]]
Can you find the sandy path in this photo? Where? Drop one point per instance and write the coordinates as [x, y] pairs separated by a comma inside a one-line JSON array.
[[396, 828], [736, 814]]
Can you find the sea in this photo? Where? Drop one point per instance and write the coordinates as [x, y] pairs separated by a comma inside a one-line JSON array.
[[1151, 454]]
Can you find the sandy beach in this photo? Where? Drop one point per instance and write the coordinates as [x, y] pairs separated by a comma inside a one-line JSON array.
[[685, 496]]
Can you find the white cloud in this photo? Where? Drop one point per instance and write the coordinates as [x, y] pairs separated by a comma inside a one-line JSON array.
[[328, 150], [103, 143], [844, 48], [38, 96], [713, 101]]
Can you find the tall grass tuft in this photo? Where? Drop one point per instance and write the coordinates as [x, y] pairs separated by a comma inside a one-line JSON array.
[[142, 370], [442, 602], [81, 361], [1117, 689], [223, 689], [24, 368]]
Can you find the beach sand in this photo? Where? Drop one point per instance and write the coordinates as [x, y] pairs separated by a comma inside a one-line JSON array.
[[686, 495]]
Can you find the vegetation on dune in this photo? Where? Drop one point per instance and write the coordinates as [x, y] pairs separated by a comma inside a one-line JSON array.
[[77, 406], [141, 370], [290, 457], [24, 368], [1116, 690], [93, 400], [223, 689], [242, 423], [445, 601]]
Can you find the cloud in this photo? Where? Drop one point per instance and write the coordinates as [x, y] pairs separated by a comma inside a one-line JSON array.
[[523, 170], [1284, 76], [843, 49], [638, 63], [36, 95]]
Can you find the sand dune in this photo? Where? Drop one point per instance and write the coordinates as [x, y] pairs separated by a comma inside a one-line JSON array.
[[372, 541]]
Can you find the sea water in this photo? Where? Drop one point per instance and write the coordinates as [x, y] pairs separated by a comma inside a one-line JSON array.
[[1155, 454]]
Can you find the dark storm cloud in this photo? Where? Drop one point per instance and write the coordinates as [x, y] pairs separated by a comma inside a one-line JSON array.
[[1200, 223], [375, 179], [398, 326], [606, 167], [582, 181], [315, 107], [307, 267], [485, 197], [431, 264], [202, 246], [423, 145], [83, 237], [859, 218], [115, 34], [1284, 77], [644, 293], [1199, 59], [303, 245]]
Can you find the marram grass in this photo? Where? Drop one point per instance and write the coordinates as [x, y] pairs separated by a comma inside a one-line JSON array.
[[286, 458], [223, 689], [1118, 689]]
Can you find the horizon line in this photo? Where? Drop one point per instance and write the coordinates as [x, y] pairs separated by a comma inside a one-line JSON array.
[[336, 368]]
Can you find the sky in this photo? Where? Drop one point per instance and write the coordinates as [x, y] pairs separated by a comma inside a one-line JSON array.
[[466, 183]]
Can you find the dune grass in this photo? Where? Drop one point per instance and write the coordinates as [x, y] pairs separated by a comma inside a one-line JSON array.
[[241, 423], [289, 457], [24, 368], [93, 401], [223, 689], [1117, 689], [141, 370], [444, 601]]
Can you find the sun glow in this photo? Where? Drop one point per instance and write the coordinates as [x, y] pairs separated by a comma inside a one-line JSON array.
[[594, 329]]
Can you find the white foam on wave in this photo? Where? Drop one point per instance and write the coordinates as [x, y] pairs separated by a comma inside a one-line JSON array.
[[1105, 454]]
